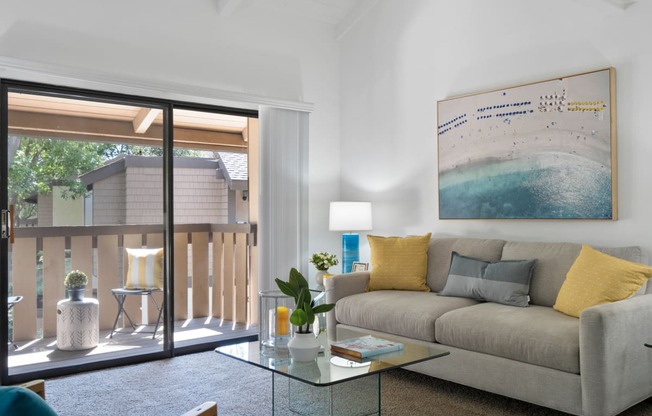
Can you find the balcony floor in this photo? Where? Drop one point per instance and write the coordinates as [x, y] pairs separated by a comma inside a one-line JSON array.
[[42, 354]]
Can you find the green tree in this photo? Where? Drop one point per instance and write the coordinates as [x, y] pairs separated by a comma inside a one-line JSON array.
[[38, 164]]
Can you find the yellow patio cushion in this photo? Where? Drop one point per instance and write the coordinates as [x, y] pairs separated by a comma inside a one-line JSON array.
[[145, 268], [596, 278], [399, 263]]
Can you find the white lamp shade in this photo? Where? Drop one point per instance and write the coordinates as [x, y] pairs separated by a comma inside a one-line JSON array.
[[350, 216]]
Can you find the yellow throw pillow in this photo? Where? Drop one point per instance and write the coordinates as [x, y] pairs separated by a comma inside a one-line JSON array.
[[596, 278], [145, 268], [399, 263]]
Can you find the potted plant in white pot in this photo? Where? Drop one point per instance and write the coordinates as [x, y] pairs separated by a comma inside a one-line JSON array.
[[323, 261], [304, 346], [75, 282]]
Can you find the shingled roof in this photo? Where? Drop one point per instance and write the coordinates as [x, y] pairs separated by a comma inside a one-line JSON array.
[[234, 167]]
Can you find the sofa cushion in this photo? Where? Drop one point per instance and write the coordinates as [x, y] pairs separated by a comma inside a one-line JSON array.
[[553, 262], [596, 278], [441, 250], [537, 335], [399, 263], [406, 313], [506, 282]]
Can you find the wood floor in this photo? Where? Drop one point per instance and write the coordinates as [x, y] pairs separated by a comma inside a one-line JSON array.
[[43, 354]]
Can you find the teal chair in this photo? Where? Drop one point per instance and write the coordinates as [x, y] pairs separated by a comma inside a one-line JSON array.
[[25, 400], [28, 399]]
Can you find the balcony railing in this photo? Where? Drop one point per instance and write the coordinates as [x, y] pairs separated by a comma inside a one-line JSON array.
[[212, 271]]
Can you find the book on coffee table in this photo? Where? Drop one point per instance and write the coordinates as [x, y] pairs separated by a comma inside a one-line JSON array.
[[364, 347]]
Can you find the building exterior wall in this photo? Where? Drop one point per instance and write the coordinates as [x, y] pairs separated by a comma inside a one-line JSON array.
[[199, 197], [241, 206], [66, 211], [44, 210], [109, 204]]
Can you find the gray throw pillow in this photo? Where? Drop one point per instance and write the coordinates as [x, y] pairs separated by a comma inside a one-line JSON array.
[[506, 282]]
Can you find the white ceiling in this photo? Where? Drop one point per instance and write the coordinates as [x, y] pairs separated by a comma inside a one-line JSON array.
[[341, 14]]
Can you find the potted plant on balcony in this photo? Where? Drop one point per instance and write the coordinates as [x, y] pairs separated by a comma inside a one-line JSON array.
[[304, 346], [75, 283], [323, 261]]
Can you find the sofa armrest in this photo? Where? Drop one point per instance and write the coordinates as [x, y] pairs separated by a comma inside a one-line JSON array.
[[339, 286], [615, 365]]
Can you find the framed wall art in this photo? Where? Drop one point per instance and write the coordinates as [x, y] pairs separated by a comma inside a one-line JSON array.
[[545, 150]]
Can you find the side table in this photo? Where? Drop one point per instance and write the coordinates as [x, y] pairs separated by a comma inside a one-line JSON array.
[[78, 326]]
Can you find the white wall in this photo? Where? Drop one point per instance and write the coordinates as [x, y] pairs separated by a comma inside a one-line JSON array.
[[188, 42], [405, 56]]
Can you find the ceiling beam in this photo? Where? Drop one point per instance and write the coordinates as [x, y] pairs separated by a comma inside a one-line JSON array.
[[354, 16], [145, 118], [227, 7], [623, 4], [607, 5], [28, 124]]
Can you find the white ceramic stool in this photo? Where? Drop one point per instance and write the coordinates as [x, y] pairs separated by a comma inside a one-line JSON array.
[[78, 326]]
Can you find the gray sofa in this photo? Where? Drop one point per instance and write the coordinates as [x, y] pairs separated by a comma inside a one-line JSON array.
[[594, 365]]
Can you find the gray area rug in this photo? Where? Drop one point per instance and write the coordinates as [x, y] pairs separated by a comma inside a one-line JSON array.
[[174, 386]]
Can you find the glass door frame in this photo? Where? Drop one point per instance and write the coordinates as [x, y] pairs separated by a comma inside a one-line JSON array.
[[7, 86], [168, 107]]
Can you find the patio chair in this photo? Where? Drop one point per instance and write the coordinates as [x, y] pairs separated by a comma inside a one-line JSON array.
[[144, 278]]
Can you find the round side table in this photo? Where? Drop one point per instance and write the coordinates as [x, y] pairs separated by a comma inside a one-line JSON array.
[[78, 326]]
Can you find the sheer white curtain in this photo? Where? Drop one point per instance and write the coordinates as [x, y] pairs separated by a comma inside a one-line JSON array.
[[283, 164]]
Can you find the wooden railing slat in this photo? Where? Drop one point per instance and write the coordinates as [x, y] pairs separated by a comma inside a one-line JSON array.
[[107, 278], [180, 276], [53, 275], [200, 286], [218, 256], [154, 241], [253, 282], [228, 277], [81, 258], [133, 304], [241, 278], [23, 280]]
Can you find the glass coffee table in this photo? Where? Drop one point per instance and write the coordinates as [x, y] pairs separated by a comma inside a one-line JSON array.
[[330, 385]]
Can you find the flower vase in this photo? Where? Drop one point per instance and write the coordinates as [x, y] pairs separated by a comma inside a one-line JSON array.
[[320, 275], [303, 347]]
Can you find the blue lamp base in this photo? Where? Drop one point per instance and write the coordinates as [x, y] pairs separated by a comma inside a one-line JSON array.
[[350, 251]]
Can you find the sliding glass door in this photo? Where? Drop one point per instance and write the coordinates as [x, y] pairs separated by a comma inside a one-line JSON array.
[[84, 191], [152, 200], [213, 235]]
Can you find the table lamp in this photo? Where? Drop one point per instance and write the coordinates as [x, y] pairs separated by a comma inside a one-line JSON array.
[[350, 217]]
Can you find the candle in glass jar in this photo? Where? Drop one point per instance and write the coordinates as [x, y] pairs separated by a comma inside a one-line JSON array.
[[282, 321]]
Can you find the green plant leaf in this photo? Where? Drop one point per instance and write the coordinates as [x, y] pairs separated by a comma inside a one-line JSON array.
[[297, 278], [287, 289], [299, 318], [326, 307], [304, 295], [310, 315]]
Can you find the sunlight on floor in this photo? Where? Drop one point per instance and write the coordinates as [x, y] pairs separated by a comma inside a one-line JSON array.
[[195, 334]]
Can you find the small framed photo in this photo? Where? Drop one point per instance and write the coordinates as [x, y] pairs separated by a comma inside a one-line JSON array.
[[359, 267]]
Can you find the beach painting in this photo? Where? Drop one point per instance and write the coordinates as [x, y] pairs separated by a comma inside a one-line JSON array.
[[545, 150]]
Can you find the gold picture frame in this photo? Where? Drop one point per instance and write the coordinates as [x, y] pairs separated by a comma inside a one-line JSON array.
[[545, 150]]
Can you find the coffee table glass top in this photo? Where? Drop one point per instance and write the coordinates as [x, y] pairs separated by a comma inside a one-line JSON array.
[[329, 369]]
